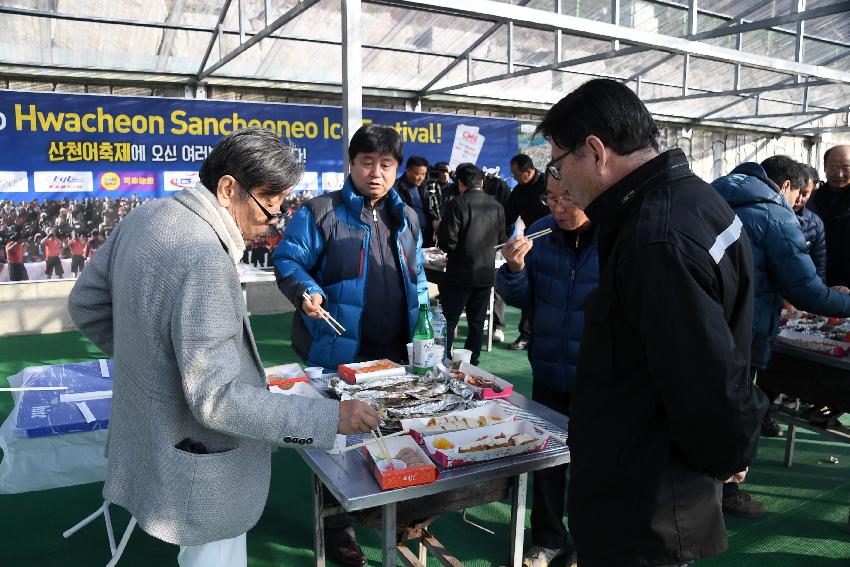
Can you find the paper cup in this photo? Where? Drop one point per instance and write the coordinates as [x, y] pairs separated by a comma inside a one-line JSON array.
[[410, 353], [384, 465], [313, 372], [462, 355], [339, 444]]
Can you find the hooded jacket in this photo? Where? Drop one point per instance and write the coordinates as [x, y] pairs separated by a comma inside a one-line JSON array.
[[783, 267]]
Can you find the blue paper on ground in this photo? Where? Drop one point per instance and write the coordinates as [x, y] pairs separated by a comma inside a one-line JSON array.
[[41, 413]]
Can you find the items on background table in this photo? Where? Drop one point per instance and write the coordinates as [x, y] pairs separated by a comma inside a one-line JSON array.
[[360, 372], [398, 461], [485, 385], [84, 405], [435, 257], [485, 443], [490, 413], [406, 396], [825, 335], [423, 343]]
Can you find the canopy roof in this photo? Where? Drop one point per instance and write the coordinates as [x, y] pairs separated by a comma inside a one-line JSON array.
[[779, 64]]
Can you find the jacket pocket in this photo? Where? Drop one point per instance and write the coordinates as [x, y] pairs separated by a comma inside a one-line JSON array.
[[344, 259]]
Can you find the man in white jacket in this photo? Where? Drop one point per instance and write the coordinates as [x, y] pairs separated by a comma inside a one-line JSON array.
[[193, 425]]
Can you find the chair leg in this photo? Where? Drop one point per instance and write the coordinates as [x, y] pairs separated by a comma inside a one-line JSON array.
[[86, 521], [123, 543], [109, 534]]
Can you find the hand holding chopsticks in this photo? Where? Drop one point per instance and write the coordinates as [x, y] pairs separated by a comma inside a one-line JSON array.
[[531, 236], [322, 314]]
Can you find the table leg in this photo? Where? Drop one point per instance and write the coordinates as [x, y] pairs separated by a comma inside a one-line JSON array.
[[388, 536], [517, 532], [789, 444], [490, 325], [319, 522], [423, 552]]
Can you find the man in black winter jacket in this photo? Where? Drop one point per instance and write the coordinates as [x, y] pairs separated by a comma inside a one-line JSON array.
[[832, 204], [474, 224], [810, 223], [664, 408]]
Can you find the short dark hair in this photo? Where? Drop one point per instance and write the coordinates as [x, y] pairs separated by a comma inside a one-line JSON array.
[[603, 108], [469, 175], [782, 168], [255, 157], [416, 161], [443, 166], [523, 162], [813, 174], [376, 138]]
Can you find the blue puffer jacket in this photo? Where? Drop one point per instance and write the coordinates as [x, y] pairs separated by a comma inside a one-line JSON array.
[[815, 236], [783, 267], [304, 262], [555, 284]]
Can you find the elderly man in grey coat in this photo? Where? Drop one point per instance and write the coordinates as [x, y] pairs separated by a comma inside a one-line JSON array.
[[193, 425]]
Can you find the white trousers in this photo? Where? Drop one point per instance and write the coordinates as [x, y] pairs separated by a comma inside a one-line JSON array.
[[222, 553]]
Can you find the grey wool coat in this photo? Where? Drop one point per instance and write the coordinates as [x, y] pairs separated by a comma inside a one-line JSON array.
[[162, 296]]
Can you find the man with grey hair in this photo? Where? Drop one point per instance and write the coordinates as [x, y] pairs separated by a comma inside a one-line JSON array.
[[193, 425]]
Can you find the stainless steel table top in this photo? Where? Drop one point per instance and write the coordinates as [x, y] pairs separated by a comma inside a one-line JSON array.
[[350, 480], [842, 362]]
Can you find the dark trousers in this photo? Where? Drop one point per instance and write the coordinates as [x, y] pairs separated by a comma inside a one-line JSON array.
[[77, 264], [525, 324], [549, 485], [731, 488], [474, 300], [18, 273]]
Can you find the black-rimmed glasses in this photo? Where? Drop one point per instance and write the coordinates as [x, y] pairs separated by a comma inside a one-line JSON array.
[[272, 217], [552, 168]]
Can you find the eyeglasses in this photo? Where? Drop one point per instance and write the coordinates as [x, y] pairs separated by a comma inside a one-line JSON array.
[[272, 217], [552, 168], [550, 201], [833, 169]]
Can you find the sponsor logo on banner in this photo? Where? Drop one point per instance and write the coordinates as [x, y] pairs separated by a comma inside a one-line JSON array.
[[13, 182], [128, 180], [332, 180], [63, 181], [179, 180], [309, 182]]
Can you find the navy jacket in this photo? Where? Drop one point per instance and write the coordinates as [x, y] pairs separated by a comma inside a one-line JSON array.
[[833, 208], [554, 285], [783, 267], [815, 236], [325, 251]]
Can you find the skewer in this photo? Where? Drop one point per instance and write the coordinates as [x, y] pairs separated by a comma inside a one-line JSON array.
[[364, 443], [333, 323], [531, 236]]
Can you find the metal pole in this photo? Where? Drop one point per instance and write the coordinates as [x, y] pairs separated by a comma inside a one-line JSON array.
[[559, 43], [510, 47], [615, 19], [352, 80]]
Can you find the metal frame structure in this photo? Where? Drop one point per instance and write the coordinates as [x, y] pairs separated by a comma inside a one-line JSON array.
[[788, 101]]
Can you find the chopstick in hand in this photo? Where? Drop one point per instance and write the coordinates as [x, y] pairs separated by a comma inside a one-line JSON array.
[[375, 440], [531, 236], [332, 323]]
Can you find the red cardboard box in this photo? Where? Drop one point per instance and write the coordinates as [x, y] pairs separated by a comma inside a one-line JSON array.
[[359, 372], [398, 477]]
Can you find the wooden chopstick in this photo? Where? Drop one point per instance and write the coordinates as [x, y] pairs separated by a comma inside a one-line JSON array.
[[375, 440], [381, 443], [333, 323], [531, 236]]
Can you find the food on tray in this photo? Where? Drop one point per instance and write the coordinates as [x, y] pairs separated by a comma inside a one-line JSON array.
[[378, 366], [412, 458], [481, 382], [487, 442], [456, 423], [443, 443]]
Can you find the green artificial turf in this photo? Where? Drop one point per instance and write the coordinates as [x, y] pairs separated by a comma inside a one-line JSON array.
[[805, 526]]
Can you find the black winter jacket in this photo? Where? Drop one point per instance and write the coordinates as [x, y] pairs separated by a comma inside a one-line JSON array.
[[526, 202], [663, 405], [815, 236], [833, 208], [473, 225]]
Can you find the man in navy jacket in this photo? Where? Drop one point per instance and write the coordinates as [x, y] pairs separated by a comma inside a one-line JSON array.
[[550, 278]]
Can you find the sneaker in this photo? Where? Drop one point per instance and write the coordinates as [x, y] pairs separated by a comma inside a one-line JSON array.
[[743, 505], [769, 427], [541, 556], [519, 344], [499, 335]]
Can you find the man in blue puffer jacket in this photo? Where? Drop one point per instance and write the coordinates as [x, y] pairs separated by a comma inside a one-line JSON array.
[[550, 279], [761, 196], [358, 253]]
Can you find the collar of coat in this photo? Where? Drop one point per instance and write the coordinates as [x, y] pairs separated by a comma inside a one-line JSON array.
[[617, 200], [355, 202], [203, 203]]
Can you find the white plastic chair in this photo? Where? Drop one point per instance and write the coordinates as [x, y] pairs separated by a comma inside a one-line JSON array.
[[116, 551]]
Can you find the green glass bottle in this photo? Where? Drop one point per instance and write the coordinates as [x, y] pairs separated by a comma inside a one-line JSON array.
[[423, 343]]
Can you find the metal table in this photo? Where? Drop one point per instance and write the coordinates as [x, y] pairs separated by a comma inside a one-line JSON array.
[[349, 479]]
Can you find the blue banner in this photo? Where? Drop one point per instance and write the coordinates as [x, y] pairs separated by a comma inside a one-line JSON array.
[[76, 146]]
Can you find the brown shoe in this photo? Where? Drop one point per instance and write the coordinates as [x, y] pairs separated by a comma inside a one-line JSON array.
[[743, 505], [343, 547]]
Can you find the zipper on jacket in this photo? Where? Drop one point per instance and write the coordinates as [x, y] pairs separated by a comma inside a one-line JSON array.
[[375, 215]]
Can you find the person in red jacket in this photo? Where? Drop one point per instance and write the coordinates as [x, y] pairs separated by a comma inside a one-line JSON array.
[[52, 244], [15, 255], [77, 244]]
